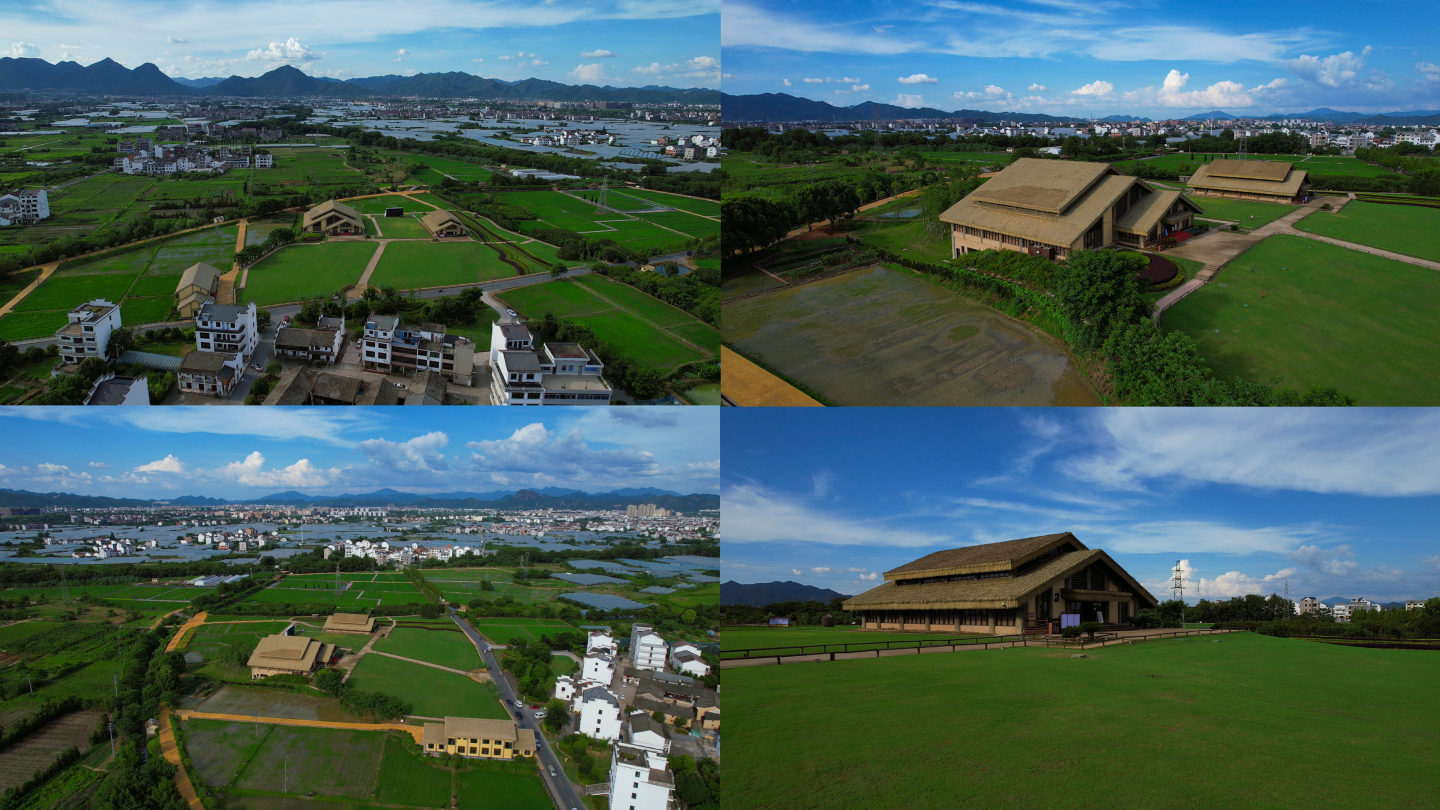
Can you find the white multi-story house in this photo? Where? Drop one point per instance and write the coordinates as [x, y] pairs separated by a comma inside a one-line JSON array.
[[599, 666], [565, 688], [112, 390], [558, 374], [686, 659], [599, 639], [1362, 605], [87, 334], [227, 328], [599, 713], [394, 348], [1342, 613], [1307, 605], [640, 777], [1414, 604], [264, 161], [24, 207], [647, 649]]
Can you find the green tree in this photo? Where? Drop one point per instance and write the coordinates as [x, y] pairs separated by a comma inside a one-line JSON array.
[[1100, 291]]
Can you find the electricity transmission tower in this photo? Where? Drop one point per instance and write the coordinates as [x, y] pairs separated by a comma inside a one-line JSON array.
[[337, 577], [1242, 144], [604, 192], [1177, 584]]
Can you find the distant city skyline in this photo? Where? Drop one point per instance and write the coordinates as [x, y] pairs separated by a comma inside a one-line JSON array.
[[1084, 59], [160, 453], [605, 42], [1337, 502]]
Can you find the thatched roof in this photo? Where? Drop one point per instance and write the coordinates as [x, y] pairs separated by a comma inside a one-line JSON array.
[[1082, 209], [1005, 556], [199, 275], [295, 653], [995, 592], [320, 211], [440, 218], [1249, 177], [1044, 186], [1148, 210]]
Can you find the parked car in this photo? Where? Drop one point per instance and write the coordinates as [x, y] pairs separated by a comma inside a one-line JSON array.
[[540, 715], [513, 313], [534, 705]]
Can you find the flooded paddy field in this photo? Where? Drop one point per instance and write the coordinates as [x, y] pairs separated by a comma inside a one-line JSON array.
[[882, 336]]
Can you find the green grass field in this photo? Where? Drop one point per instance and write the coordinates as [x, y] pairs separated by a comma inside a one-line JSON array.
[[406, 227], [377, 205], [903, 237], [431, 692], [501, 786], [1408, 229], [460, 170], [285, 760], [614, 319], [411, 265], [792, 638], [407, 778], [694, 205], [23, 325], [1329, 316], [67, 292], [301, 271], [444, 647], [1195, 723], [501, 630], [1241, 211]]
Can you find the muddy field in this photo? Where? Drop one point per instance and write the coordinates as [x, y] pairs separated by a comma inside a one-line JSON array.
[[274, 759], [273, 703], [22, 760], [879, 336]]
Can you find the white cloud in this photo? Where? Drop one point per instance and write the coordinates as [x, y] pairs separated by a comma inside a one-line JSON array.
[[52, 469], [291, 50], [477, 60], [1228, 584], [1038, 88], [917, 78], [1095, 88], [24, 49], [506, 58], [910, 101], [598, 54], [859, 87], [853, 570], [100, 465], [783, 83], [752, 514], [992, 93], [813, 81], [1388, 454], [420, 454], [1220, 94], [744, 25], [169, 464], [1428, 71], [871, 577], [1198, 536], [1326, 561], [1433, 563], [167, 39], [795, 572], [252, 473], [588, 74], [1339, 70], [727, 75], [819, 570], [535, 451]]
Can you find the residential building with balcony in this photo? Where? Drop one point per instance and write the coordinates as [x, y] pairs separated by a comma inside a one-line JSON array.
[[227, 328], [211, 373], [321, 344], [87, 334], [640, 777], [554, 374], [389, 345], [24, 207]]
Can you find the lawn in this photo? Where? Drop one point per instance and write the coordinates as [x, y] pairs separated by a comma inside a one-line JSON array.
[[684, 223], [139, 311], [290, 760], [614, 318], [1328, 316], [501, 786], [24, 325], [302, 271], [1159, 724], [410, 265], [1241, 211], [792, 638], [67, 292], [904, 237], [500, 631], [377, 205], [694, 205], [1409, 229], [448, 648], [457, 169], [431, 692], [406, 227], [409, 778]]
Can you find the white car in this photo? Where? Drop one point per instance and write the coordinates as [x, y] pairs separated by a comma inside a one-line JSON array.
[[513, 313], [540, 715]]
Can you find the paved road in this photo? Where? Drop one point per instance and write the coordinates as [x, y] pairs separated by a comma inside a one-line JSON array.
[[263, 348], [559, 784]]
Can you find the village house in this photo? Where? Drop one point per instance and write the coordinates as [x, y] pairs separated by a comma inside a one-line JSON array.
[[441, 223], [87, 332], [288, 655], [479, 739], [197, 287], [333, 218]]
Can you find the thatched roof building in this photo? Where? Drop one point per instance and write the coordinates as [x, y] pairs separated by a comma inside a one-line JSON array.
[[1264, 180]]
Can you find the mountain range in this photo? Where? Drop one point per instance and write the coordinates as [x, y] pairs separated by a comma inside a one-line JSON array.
[[547, 498], [767, 107], [108, 77], [768, 593]]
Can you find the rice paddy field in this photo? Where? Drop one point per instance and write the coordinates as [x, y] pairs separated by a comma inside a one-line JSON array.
[[1313, 313], [962, 729], [142, 280], [646, 329], [39, 748], [884, 336], [304, 168], [448, 647], [430, 692], [501, 630], [285, 760], [1409, 229], [357, 598], [695, 205], [412, 265], [302, 271]]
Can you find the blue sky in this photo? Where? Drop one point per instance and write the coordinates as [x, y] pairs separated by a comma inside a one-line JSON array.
[[1339, 502], [1089, 57], [233, 452], [619, 42]]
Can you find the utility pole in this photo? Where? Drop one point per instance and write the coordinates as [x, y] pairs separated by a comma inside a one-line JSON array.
[[112, 739], [1288, 608], [1177, 585]]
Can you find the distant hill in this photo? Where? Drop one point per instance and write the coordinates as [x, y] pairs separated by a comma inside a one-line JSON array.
[[108, 77], [766, 593], [765, 107], [1207, 116], [548, 498]]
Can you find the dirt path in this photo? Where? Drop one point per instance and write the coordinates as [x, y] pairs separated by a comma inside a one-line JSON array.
[[359, 288], [195, 621], [865, 207], [479, 676], [349, 662], [171, 752], [46, 270], [1399, 257], [417, 732]]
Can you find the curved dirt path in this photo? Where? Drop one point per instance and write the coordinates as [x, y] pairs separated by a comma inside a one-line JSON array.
[[46, 271], [417, 732], [171, 752], [195, 621]]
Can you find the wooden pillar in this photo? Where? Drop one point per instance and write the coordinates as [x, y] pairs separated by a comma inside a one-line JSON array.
[[990, 612]]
